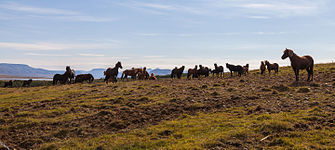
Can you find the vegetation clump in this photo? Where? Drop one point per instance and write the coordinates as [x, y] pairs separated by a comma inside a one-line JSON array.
[[281, 88], [303, 90]]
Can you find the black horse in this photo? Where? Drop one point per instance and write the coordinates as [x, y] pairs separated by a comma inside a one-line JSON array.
[[112, 72], [218, 70], [203, 71], [177, 72], [27, 83], [67, 77], [9, 83], [234, 68], [84, 77]]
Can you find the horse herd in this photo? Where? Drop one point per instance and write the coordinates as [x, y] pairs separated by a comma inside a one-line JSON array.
[[297, 63]]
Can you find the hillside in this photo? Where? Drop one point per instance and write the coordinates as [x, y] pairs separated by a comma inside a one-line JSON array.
[[22, 70], [249, 112]]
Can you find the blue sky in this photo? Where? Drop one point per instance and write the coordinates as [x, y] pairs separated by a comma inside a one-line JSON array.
[[159, 33]]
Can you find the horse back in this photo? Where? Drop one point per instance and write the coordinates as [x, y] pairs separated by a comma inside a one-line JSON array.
[[308, 60]]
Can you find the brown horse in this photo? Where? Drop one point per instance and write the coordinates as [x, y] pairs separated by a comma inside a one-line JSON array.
[[203, 71], [233, 68], [218, 71], [112, 72], [298, 63], [80, 78], [262, 67], [64, 78], [9, 84], [27, 83], [177, 72], [152, 77], [246, 69], [143, 74], [192, 72], [270, 66], [132, 72]]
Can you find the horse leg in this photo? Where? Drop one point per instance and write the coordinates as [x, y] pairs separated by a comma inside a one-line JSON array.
[[296, 71], [309, 73], [312, 72]]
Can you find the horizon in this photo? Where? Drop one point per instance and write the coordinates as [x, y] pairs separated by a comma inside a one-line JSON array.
[[163, 34]]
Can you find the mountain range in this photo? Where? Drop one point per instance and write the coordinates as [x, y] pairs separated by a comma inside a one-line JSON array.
[[24, 70]]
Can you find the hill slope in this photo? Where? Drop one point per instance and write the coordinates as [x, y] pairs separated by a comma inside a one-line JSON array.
[[252, 112]]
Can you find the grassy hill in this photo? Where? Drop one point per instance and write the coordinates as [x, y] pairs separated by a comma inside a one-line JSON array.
[[253, 112]]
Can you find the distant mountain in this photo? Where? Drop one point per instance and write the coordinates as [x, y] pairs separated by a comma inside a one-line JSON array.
[[158, 71], [27, 71]]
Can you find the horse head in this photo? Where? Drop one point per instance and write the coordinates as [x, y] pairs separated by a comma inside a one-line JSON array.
[[118, 65], [287, 53], [68, 69]]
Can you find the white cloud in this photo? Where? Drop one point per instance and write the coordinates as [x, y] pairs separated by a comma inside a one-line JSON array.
[[51, 13], [282, 9], [91, 55], [258, 17], [149, 34], [37, 10], [53, 46], [51, 55], [163, 9]]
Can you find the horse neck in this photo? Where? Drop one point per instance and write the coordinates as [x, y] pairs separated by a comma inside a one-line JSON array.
[[294, 57]]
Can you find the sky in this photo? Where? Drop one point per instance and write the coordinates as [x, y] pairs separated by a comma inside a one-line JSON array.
[[163, 34]]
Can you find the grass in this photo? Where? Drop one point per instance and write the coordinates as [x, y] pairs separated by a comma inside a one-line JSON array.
[[211, 113]]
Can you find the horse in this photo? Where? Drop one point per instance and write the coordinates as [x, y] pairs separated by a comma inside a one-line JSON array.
[[192, 72], [152, 77], [27, 83], [112, 72], [234, 68], [9, 84], [262, 67], [177, 72], [203, 71], [218, 70], [143, 74], [80, 78], [64, 78], [130, 72], [270, 66], [70, 73], [246, 69], [299, 63]]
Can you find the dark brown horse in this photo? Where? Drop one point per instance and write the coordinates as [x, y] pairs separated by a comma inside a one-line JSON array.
[[64, 78], [177, 72], [203, 71], [270, 66], [218, 71], [192, 72], [112, 72], [298, 63], [27, 83], [9, 84], [80, 78], [143, 74], [233, 68], [262, 67], [246, 69]]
